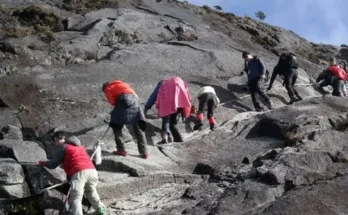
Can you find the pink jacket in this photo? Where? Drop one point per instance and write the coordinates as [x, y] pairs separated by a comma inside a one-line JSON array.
[[173, 94]]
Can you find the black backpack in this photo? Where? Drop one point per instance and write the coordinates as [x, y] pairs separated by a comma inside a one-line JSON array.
[[287, 61]]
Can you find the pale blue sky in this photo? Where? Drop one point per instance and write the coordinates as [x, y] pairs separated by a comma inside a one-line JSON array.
[[318, 21]]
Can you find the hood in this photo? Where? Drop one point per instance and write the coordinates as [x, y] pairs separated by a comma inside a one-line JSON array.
[[73, 140]]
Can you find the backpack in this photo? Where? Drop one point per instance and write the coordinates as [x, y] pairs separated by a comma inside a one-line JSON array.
[[338, 72], [287, 61]]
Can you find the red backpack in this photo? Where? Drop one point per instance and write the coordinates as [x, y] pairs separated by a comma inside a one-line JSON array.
[[338, 72]]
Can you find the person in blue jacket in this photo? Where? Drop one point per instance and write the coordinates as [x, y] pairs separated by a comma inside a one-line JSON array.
[[152, 99]]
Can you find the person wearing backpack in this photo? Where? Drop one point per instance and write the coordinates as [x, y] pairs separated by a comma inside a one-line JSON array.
[[207, 97], [256, 80], [173, 99], [287, 67], [334, 76], [126, 111]]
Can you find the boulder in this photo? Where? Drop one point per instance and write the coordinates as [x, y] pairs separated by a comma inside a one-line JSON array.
[[41, 177], [296, 167], [8, 117], [327, 197], [247, 197], [22, 151], [14, 191], [11, 172], [12, 132]]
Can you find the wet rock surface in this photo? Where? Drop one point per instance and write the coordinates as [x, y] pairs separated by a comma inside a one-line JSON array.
[[291, 160]]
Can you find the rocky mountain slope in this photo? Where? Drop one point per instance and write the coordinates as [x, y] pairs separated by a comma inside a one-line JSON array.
[[55, 55]]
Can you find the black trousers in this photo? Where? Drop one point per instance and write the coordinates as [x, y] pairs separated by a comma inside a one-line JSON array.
[[169, 124], [257, 87], [289, 82], [139, 135], [207, 99]]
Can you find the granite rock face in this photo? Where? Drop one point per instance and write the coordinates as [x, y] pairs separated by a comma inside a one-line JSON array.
[[291, 160]]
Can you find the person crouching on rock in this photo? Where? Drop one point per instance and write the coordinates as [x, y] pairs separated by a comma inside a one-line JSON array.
[[334, 76], [287, 67], [256, 76], [206, 97], [80, 172], [173, 98], [126, 111]]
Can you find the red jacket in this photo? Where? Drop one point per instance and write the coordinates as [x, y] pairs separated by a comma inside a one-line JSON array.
[[116, 88], [73, 156], [338, 72], [76, 159]]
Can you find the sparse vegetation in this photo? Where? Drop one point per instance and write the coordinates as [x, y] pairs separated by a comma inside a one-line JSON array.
[[217, 7], [207, 8], [37, 16], [265, 41], [30, 20], [261, 15], [84, 6], [118, 36]]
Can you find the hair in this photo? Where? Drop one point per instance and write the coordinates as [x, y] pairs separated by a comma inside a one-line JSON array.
[[105, 85], [245, 54], [59, 135]]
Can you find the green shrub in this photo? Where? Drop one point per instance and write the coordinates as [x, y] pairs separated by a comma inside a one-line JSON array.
[[81, 6], [17, 32], [35, 15], [261, 15], [217, 7], [207, 8]]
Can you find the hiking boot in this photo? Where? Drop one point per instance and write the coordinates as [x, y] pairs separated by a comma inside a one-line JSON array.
[[145, 156], [212, 127], [292, 100], [212, 123], [101, 211], [164, 138], [198, 126], [120, 153], [299, 98]]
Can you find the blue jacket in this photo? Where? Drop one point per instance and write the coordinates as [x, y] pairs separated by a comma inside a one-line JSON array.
[[256, 68], [153, 97]]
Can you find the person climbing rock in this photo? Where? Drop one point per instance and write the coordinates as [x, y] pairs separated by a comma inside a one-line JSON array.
[[287, 67], [126, 111], [80, 170], [152, 99], [173, 99], [334, 76], [256, 76], [207, 98]]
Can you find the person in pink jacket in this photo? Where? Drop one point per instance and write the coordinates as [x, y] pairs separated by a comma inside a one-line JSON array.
[[173, 98]]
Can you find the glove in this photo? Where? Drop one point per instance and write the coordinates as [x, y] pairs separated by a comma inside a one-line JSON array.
[[193, 110], [145, 112], [242, 73], [41, 163]]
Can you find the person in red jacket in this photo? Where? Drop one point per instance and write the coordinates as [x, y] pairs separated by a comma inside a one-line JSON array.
[[80, 172], [127, 110]]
